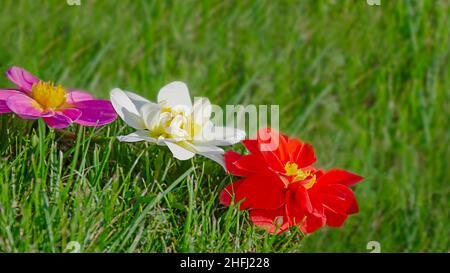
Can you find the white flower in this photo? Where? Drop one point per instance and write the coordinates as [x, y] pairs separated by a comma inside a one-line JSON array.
[[174, 122]]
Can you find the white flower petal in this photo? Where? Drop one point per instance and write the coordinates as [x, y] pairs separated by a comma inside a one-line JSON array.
[[201, 111], [205, 134], [212, 152], [175, 93], [141, 135], [179, 152], [220, 136], [137, 100], [174, 129], [227, 135], [150, 113], [126, 109]]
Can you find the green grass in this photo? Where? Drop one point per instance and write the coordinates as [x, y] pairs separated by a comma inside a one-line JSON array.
[[368, 86]]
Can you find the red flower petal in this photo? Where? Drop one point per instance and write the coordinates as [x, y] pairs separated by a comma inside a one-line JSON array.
[[283, 151], [274, 221], [250, 164], [273, 162], [318, 173], [293, 145], [251, 145], [304, 156], [227, 193], [302, 199], [334, 219], [295, 211], [261, 192], [231, 157], [270, 143], [313, 222], [338, 198], [338, 176]]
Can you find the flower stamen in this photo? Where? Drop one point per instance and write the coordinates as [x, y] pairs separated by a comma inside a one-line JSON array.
[[293, 170], [48, 95], [175, 122]]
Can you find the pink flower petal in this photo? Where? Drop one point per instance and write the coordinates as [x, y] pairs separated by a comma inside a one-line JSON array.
[[23, 79], [24, 106], [58, 121], [72, 113], [4, 95], [74, 96], [95, 112]]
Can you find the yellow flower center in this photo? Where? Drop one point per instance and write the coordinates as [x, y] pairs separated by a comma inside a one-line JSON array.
[[310, 183], [299, 175], [175, 122], [48, 96]]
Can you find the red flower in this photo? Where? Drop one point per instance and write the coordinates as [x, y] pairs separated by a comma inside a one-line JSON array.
[[282, 189]]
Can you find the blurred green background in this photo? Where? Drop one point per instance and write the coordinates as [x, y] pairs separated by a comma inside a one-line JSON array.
[[368, 86]]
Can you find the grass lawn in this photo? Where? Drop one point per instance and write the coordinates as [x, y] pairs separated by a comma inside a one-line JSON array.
[[368, 86]]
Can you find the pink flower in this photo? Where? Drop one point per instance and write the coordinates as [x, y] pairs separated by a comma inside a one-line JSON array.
[[57, 106]]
